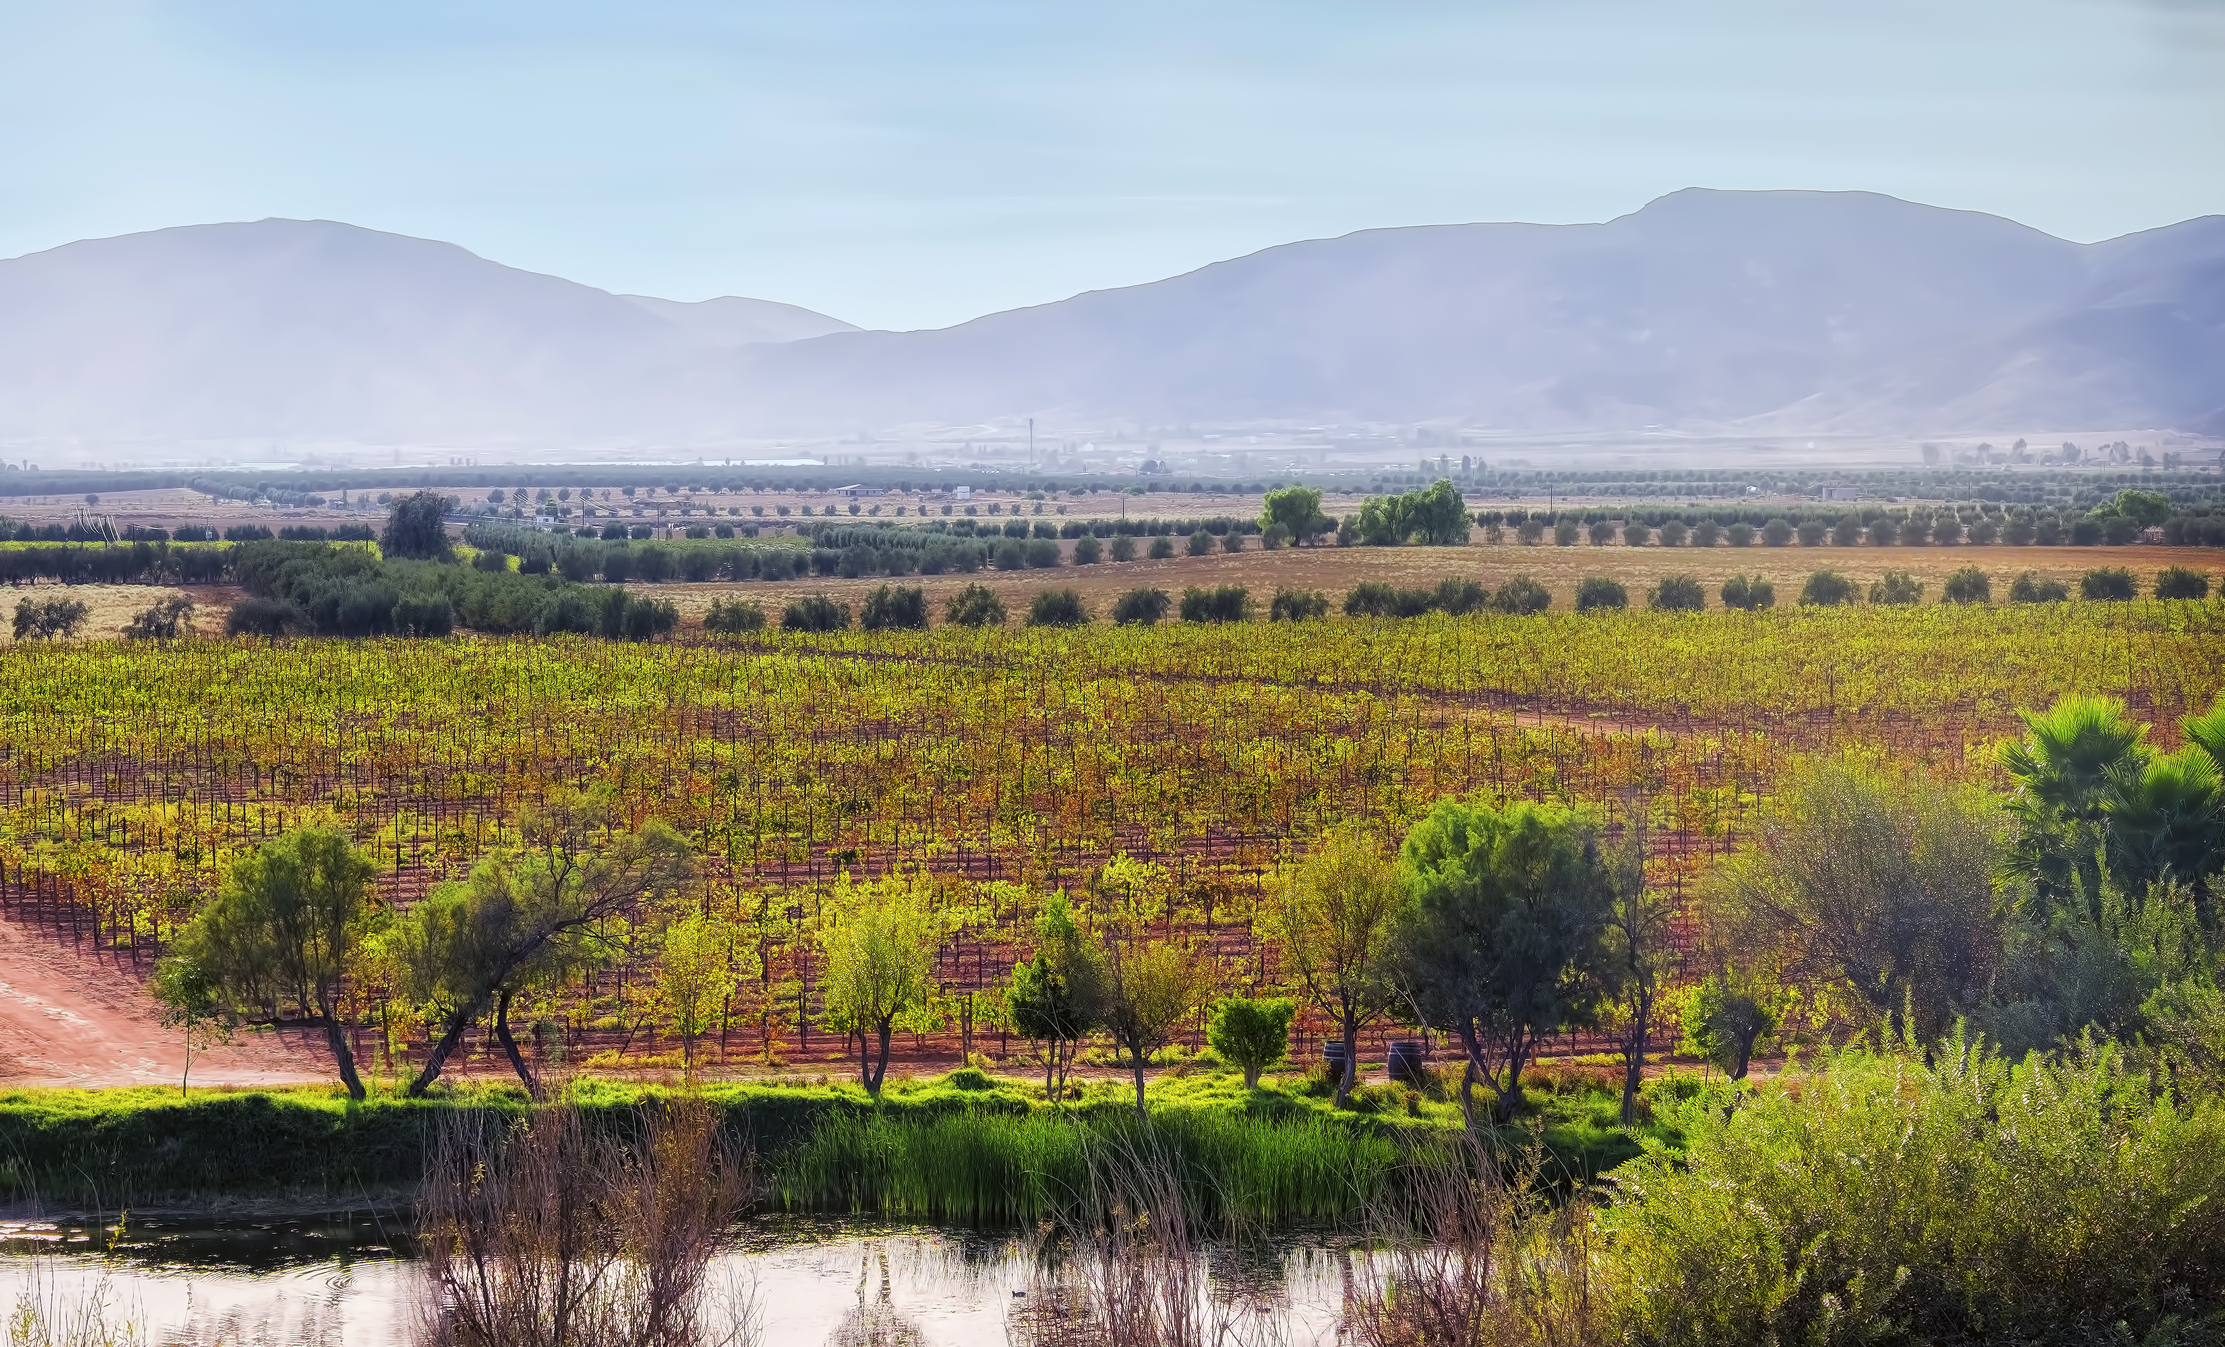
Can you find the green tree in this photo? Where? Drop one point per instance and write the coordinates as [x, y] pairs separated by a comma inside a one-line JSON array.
[[1056, 997], [895, 608], [1058, 608], [814, 612], [1726, 1013], [415, 529], [524, 917], [1896, 587], [1151, 987], [1332, 922], [1200, 544], [1968, 585], [1521, 595], [49, 619], [1827, 589], [1503, 944], [1141, 607], [974, 606], [1298, 510], [2064, 772], [193, 1003], [2177, 582], [1638, 959], [879, 950], [1250, 1034], [1749, 593], [2112, 584], [1298, 605], [1597, 591], [2031, 587], [699, 967], [164, 620], [1677, 594], [282, 934]]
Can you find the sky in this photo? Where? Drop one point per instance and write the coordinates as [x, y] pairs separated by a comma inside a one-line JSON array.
[[912, 165]]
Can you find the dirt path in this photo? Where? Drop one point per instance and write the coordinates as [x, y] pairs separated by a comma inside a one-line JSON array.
[[67, 1018]]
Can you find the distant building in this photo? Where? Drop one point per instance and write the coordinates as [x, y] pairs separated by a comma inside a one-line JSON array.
[[853, 491], [1841, 491]]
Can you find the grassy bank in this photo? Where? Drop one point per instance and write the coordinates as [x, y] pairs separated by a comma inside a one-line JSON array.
[[965, 1147]]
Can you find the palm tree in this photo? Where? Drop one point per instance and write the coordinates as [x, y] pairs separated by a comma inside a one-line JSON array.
[[2066, 771], [2165, 823]]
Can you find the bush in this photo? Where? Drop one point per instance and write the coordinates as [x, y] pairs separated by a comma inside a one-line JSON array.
[[1673, 533], [1042, 554], [166, 620], [1251, 1035], [1141, 608], [2111, 585], [2180, 583], [1636, 534], [1298, 605], [1968, 585], [1087, 552], [1885, 532], [974, 606], [1602, 533], [1707, 533], [49, 619], [1373, 598], [1201, 544], [1811, 532], [2031, 587], [1777, 532], [1058, 608], [1232, 541], [1222, 603], [423, 615], [733, 617], [1969, 1200], [1749, 593], [1677, 594], [1162, 548], [264, 617], [1596, 591], [1896, 588], [1827, 589], [1847, 532], [1741, 534], [1564, 532], [895, 608], [1522, 596], [815, 612], [1123, 548]]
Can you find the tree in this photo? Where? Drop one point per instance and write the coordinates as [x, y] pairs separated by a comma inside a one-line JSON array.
[[1521, 595], [1057, 996], [2064, 771], [1503, 943], [1221, 603], [895, 608], [1087, 551], [1200, 544], [525, 916], [1968, 585], [192, 1002], [1749, 593], [735, 617], [2177, 582], [697, 973], [1895, 588], [1151, 987], [1880, 884], [1298, 605], [49, 619], [2113, 584], [282, 934], [1677, 594], [2030, 587], [1141, 607], [1726, 1013], [974, 606], [1596, 591], [165, 620], [879, 951], [1435, 516], [1058, 608], [1252, 1035], [1638, 959], [815, 613], [1827, 589], [415, 528], [1333, 922], [1298, 510]]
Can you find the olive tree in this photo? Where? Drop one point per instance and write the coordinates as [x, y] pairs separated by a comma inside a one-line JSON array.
[[879, 948], [282, 935], [1332, 922], [415, 528], [1151, 987]]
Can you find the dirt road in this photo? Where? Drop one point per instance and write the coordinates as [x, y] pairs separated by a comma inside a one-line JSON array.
[[69, 1018]]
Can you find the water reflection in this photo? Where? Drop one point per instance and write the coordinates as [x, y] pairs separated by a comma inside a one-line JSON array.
[[854, 1283]]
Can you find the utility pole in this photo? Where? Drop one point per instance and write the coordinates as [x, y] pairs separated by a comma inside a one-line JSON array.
[[1031, 444]]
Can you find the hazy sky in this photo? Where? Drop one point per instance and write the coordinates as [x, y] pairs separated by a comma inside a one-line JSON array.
[[910, 164]]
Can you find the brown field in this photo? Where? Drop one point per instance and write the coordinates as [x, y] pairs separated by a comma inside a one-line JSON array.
[[1336, 570], [168, 507], [115, 605]]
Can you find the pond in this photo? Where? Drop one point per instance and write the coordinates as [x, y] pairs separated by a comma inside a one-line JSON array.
[[808, 1280]]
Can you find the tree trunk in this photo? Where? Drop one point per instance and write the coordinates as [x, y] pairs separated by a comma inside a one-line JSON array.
[[1135, 1060], [510, 1044], [1351, 1074], [1634, 1066], [337, 1039], [880, 1060], [452, 1035]]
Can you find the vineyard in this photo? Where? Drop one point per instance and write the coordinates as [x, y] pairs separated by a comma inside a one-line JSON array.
[[1001, 765]]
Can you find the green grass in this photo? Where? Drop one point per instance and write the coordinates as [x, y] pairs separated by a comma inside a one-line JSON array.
[[966, 1146]]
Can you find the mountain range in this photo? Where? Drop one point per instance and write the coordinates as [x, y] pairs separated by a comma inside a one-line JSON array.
[[1771, 312]]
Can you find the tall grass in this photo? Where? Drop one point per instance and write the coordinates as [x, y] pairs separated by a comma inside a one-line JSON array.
[[990, 1168]]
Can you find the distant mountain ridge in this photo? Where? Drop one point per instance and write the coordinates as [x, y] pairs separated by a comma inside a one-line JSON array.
[[1778, 311]]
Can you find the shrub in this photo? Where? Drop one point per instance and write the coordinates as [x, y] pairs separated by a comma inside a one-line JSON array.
[[1564, 532], [1058, 608], [734, 617], [1885, 532], [2180, 583], [1141, 607], [1847, 532], [1636, 534], [1162, 548], [815, 612], [2030, 587], [166, 620], [2113, 584], [974, 606], [1086, 551], [1968, 585], [1707, 533], [1298, 605], [1521, 596], [258, 617], [1458, 598], [895, 608], [1896, 588], [1777, 532], [1827, 589], [1201, 544], [1222, 603], [1042, 553], [1602, 533], [1673, 533], [1812, 532], [1251, 1035], [1749, 593], [1373, 598], [423, 615], [1597, 591], [1741, 534], [1123, 548], [1232, 541], [1677, 594]]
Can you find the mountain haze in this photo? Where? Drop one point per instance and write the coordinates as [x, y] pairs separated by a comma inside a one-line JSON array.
[[1770, 310]]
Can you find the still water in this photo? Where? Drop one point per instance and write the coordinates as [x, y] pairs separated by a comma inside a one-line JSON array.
[[810, 1281]]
